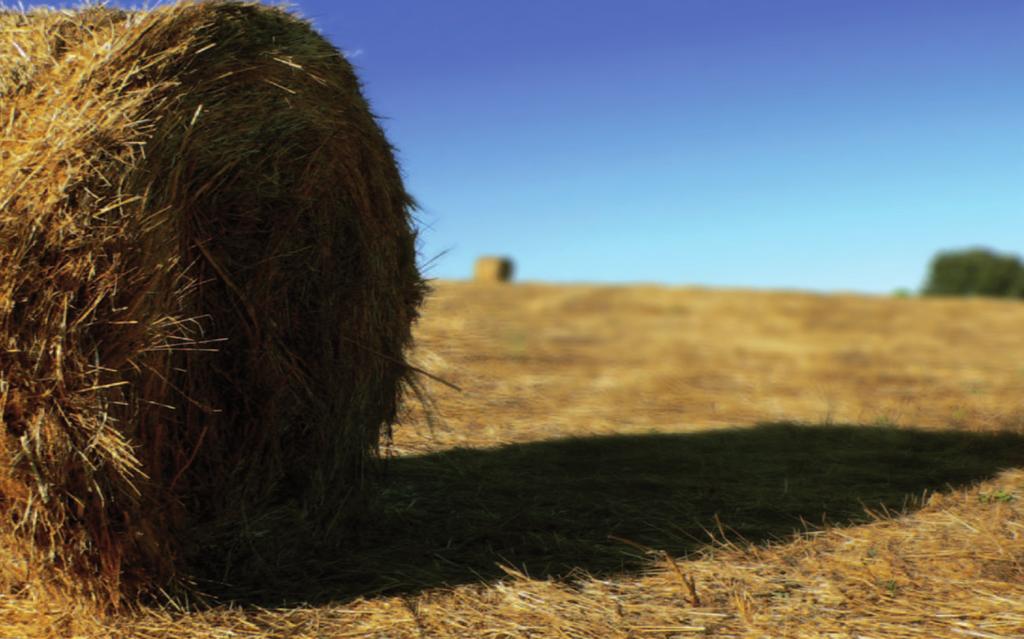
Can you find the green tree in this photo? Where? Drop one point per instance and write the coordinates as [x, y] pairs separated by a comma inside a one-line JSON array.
[[975, 272]]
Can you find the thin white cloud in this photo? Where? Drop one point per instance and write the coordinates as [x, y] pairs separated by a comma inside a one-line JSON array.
[[354, 53]]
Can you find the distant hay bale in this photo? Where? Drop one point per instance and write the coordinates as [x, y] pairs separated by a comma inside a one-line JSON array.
[[207, 285], [493, 269]]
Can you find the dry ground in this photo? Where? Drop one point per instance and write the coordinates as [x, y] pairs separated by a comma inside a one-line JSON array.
[[538, 362], [634, 462]]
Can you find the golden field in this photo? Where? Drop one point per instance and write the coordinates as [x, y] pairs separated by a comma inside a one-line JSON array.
[[667, 462], [538, 361]]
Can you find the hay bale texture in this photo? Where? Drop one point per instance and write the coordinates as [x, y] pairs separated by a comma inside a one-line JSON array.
[[207, 285], [493, 269]]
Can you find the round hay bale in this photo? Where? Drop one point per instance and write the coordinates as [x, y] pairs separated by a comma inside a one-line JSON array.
[[207, 286], [493, 269]]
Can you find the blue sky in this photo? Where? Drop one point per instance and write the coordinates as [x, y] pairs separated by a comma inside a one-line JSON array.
[[813, 144]]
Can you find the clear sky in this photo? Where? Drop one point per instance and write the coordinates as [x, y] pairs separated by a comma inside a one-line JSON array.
[[817, 144]]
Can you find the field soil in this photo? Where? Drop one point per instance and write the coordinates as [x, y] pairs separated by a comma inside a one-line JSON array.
[[641, 461]]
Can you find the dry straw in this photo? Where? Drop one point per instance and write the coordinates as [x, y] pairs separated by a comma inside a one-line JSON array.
[[493, 269], [207, 283]]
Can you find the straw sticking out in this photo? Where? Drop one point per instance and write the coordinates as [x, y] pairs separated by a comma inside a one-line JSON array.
[[207, 285]]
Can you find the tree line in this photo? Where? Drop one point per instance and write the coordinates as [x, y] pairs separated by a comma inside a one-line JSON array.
[[975, 272]]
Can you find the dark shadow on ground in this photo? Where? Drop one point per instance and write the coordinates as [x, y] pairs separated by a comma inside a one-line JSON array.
[[555, 508]]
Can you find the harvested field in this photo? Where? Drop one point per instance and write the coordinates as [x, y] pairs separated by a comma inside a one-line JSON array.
[[634, 462], [554, 361]]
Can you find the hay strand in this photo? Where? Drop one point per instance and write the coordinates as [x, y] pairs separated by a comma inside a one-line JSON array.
[[207, 284]]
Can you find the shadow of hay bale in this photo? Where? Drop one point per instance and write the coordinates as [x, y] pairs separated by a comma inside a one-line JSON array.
[[208, 283], [554, 508]]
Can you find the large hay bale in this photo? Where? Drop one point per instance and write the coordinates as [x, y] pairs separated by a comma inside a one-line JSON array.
[[207, 284], [493, 269]]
